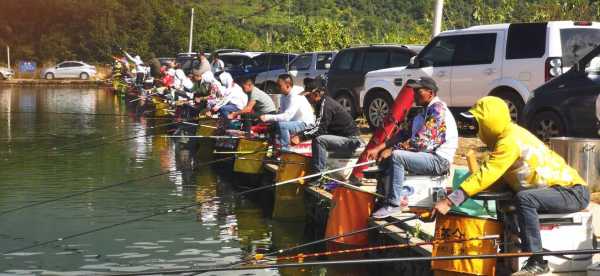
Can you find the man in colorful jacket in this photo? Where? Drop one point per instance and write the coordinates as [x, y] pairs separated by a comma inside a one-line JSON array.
[[427, 147], [543, 182]]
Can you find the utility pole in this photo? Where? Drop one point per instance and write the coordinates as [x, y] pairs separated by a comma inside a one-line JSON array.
[[8, 56], [191, 31], [437, 17]]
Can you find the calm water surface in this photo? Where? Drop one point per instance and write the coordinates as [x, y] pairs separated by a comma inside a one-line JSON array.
[[49, 141]]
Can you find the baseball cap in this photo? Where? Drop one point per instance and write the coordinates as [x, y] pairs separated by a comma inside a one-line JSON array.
[[423, 82]]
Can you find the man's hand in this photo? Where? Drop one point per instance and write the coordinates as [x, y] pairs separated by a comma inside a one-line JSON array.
[[232, 115], [208, 113], [372, 154], [295, 140], [442, 207], [384, 154], [214, 109], [262, 118]]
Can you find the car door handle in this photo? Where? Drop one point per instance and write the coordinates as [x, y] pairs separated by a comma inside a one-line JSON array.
[[489, 71]]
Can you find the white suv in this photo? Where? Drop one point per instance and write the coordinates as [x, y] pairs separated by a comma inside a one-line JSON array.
[[504, 60]]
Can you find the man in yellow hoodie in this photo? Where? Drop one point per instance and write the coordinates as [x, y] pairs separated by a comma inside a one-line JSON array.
[[541, 179]]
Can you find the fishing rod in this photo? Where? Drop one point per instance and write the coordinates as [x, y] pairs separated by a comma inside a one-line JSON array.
[[367, 261], [112, 186], [102, 138], [181, 208], [352, 187], [300, 257]]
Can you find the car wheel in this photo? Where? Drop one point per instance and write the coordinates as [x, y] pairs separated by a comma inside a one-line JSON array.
[[514, 102], [84, 76], [378, 105], [346, 101], [49, 76], [546, 125], [270, 88]]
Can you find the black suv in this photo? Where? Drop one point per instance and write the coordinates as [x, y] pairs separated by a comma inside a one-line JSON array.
[[346, 77], [567, 105]]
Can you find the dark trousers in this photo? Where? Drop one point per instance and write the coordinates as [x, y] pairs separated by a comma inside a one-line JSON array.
[[549, 200], [324, 144]]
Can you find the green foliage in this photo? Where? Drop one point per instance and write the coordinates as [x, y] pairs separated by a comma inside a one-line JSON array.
[[94, 30]]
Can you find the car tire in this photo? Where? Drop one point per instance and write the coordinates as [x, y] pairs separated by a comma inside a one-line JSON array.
[[347, 103], [514, 101], [377, 106], [270, 88], [84, 76], [547, 124], [49, 76]]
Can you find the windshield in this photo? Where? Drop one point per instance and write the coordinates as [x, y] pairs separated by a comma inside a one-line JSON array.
[[576, 43], [301, 63]]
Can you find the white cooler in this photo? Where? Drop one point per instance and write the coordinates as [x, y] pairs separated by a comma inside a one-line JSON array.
[[566, 232]]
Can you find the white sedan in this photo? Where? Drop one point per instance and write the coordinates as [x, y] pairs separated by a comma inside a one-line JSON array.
[[70, 69]]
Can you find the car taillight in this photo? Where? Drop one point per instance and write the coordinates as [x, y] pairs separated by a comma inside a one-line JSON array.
[[553, 68], [582, 23]]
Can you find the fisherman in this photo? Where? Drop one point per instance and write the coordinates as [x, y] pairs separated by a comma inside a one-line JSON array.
[[427, 147], [182, 82], [140, 68], [259, 103], [203, 65], [217, 65], [333, 131], [541, 179], [296, 113], [234, 99]]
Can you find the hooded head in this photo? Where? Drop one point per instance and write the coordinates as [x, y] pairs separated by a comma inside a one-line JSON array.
[[493, 118], [208, 77], [226, 79]]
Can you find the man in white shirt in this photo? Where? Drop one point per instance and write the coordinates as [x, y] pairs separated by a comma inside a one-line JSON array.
[[296, 112]]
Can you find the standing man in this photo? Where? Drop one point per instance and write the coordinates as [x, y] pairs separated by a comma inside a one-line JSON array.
[[217, 65], [259, 103], [543, 182], [334, 130], [426, 148], [296, 112]]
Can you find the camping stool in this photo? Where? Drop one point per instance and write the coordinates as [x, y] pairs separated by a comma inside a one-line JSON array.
[[504, 213]]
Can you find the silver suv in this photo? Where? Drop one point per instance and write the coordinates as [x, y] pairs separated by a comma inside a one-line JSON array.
[[70, 69]]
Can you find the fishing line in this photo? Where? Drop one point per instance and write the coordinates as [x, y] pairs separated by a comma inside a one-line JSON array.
[[111, 186], [368, 261], [181, 208]]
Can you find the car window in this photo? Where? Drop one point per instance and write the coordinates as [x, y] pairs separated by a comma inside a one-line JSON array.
[[343, 61], [281, 60], [302, 62], [232, 61], [475, 49], [526, 40], [323, 60], [375, 60], [260, 61], [440, 51], [357, 66], [576, 43], [593, 67], [399, 58]]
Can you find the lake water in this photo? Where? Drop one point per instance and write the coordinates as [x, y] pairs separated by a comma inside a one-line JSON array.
[[51, 145]]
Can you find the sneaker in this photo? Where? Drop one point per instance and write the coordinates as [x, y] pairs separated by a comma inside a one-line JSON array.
[[386, 211], [533, 267]]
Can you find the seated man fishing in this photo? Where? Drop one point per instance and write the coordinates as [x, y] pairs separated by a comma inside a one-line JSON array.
[[334, 130], [296, 113], [543, 182], [427, 147], [259, 103]]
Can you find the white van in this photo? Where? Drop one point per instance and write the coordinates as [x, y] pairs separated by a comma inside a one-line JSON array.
[[504, 60]]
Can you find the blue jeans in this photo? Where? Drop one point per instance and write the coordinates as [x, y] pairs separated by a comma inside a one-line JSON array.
[[286, 129], [226, 109], [324, 143], [549, 200], [394, 167]]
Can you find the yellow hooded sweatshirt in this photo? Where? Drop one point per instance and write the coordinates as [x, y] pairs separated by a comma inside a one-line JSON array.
[[520, 158]]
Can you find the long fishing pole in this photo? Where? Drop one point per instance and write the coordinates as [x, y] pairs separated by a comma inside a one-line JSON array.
[[102, 138], [111, 186], [181, 208], [367, 261]]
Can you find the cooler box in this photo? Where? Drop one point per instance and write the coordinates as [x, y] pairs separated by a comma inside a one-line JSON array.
[[421, 189], [566, 232], [340, 160]]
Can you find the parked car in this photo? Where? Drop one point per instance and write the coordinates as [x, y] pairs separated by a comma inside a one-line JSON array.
[[6, 73], [70, 69], [237, 60], [262, 63], [188, 61], [569, 104], [304, 66], [505, 60], [346, 78]]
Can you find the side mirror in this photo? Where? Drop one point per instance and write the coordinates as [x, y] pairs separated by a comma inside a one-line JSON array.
[[413, 62], [327, 66]]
